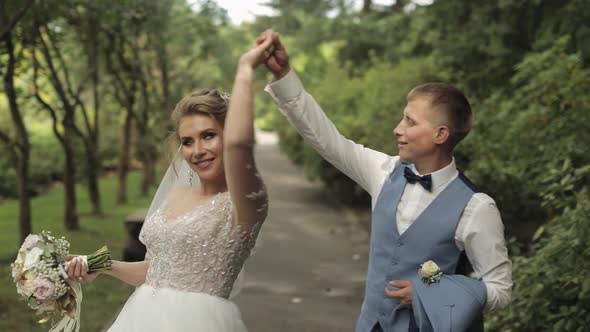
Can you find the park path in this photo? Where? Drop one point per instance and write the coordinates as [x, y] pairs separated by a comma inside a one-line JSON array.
[[308, 273]]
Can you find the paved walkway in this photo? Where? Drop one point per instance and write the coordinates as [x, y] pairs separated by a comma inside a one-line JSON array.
[[309, 272]]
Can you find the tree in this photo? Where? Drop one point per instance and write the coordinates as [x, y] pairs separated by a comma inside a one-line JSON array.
[[481, 43], [55, 70], [124, 34], [18, 142], [85, 19]]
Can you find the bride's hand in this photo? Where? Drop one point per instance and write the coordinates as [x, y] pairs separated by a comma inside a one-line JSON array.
[[278, 61], [259, 53], [77, 269]]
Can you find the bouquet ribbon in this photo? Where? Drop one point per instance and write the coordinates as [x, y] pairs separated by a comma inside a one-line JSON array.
[[67, 323]]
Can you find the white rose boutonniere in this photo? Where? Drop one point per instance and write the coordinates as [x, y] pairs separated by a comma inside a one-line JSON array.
[[430, 272]]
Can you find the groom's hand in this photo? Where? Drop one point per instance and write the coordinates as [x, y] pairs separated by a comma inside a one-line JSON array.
[[403, 292], [259, 53], [278, 61]]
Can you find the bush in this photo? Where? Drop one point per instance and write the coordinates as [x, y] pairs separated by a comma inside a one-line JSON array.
[[527, 131], [551, 288], [531, 157]]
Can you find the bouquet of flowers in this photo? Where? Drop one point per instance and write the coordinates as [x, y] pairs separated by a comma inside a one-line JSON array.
[[40, 277]]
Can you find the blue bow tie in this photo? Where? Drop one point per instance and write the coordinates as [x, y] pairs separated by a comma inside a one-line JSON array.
[[411, 177]]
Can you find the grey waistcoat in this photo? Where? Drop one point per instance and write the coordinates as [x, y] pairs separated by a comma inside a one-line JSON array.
[[398, 257]]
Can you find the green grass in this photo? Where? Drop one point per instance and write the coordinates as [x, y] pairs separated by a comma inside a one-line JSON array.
[[106, 295]]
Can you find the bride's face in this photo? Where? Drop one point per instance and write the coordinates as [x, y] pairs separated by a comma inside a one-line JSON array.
[[201, 138]]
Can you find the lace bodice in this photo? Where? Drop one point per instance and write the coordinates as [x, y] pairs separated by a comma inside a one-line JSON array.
[[199, 251]]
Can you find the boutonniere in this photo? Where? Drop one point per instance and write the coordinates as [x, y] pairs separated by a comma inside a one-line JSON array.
[[430, 272]]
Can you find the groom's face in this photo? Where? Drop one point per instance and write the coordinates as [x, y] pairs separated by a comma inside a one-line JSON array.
[[416, 132]]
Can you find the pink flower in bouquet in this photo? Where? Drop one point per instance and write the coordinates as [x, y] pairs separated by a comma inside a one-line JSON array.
[[30, 241], [43, 288]]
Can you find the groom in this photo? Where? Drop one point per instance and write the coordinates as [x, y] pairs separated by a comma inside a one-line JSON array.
[[423, 208]]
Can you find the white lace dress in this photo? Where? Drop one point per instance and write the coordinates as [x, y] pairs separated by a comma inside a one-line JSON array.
[[194, 260]]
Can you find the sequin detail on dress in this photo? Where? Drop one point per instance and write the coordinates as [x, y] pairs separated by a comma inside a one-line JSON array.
[[199, 251]]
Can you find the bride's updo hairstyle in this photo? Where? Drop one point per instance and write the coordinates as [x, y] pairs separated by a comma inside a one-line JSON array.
[[207, 101]]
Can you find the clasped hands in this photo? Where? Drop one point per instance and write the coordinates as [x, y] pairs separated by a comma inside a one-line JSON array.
[[270, 51]]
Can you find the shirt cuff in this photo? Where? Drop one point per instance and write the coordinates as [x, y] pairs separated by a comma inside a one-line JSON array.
[[489, 303], [285, 89]]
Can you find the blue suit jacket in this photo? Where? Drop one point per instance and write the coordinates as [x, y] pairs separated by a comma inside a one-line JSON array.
[[452, 304]]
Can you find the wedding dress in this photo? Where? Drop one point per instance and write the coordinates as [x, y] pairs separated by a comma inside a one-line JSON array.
[[194, 260]]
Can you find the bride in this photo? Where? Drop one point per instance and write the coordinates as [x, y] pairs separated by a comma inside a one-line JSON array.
[[200, 228]]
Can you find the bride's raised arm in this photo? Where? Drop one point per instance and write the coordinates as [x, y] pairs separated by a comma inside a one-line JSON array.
[[245, 185]]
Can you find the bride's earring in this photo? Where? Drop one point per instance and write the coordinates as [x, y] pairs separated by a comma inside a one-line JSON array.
[[191, 175]]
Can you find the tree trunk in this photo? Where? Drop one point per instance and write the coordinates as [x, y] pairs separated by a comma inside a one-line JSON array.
[[68, 123], [145, 146], [22, 148], [367, 6], [398, 6], [148, 177], [71, 218], [24, 197], [92, 177], [124, 159], [164, 76], [94, 162]]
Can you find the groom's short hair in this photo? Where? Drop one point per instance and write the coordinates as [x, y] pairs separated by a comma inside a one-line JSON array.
[[450, 100]]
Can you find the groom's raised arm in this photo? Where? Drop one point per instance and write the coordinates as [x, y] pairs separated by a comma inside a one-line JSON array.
[[363, 165]]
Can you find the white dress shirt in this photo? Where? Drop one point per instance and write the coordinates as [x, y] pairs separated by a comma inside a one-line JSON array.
[[479, 232]]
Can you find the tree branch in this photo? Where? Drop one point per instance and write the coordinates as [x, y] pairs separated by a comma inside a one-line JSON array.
[[62, 63], [15, 19], [4, 137], [17, 120], [84, 116], [57, 85], [45, 105]]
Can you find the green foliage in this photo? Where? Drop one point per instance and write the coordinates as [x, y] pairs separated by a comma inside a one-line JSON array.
[[547, 93], [552, 291], [480, 43], [8, 176], [47, 161], [528, 152], [46, 155]]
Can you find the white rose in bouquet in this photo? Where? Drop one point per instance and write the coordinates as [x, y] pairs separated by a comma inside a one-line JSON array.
[[24, 285], [32, 257], [30, 241]]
